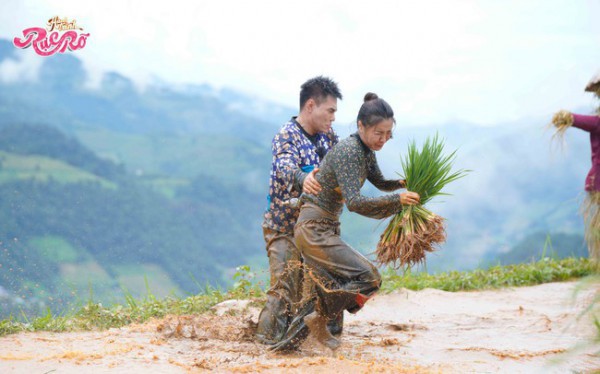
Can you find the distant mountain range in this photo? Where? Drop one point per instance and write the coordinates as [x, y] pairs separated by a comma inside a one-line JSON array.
[[112, 183]]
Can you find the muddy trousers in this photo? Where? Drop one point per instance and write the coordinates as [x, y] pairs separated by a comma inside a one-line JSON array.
[[285, 292], [343, 278]]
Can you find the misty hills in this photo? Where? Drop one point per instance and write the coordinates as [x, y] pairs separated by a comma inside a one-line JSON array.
[[60, 96], [106, 185], [110, 185]]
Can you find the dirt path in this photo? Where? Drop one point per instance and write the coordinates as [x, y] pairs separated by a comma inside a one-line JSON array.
[[527, 330]]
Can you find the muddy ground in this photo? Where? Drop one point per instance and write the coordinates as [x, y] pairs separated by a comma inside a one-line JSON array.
[[520, 330]]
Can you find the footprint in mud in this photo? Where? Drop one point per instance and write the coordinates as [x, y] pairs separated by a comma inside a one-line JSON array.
[[370, 329], [405, 327]]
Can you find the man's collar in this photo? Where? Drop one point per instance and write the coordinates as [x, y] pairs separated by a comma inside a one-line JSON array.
[[294, 120]]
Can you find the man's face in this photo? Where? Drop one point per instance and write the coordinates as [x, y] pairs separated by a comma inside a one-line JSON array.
[[323, 115]]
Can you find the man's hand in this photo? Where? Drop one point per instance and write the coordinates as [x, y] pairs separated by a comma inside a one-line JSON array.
[[310, 184], [410, 198]]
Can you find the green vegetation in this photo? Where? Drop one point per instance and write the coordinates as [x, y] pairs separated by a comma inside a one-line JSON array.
[[128, 226], [46, 141], [40, 168], [93, 315], [135, 277], [70, 219], [178, 156], [57, 249], [543, 271]]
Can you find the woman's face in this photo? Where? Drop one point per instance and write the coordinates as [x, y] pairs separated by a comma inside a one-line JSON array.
[[376, 136]]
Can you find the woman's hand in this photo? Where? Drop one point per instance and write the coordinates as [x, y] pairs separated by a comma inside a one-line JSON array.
[[410, 198]]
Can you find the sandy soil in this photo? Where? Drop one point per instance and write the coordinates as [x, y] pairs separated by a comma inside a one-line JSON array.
[[521, 330]]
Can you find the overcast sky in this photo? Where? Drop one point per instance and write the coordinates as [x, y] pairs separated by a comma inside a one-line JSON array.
[[485, 62]]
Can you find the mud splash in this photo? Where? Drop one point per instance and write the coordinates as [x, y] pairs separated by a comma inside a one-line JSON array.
[[521, 330]]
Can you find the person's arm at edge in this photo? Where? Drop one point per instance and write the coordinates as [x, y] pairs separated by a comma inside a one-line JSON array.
[[586, 123]]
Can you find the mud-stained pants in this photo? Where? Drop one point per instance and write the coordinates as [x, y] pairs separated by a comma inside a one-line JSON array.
[[344, 278], [286, 286]]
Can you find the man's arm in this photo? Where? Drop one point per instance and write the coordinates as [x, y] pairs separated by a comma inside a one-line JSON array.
[[287, 166], [286, 160]]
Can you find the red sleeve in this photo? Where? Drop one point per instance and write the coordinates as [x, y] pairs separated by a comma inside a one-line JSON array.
[[587, 123]]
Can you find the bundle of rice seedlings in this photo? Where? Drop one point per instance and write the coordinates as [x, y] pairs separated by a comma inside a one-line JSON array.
[[561, 120], [415, 230]]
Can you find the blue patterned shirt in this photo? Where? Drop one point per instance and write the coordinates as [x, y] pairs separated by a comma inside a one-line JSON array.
[[295, 153]]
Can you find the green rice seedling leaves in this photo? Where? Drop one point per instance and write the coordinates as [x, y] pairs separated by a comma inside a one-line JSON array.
[[415, 230]]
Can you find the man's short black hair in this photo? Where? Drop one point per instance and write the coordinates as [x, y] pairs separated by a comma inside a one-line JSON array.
[[318, 88]]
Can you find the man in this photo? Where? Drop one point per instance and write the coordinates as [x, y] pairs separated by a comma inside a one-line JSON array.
[[297, 148]]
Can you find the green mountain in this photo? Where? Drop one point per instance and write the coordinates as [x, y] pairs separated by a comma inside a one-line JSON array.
[[115, 187], [539, 244], [106, 188], [69, 222]]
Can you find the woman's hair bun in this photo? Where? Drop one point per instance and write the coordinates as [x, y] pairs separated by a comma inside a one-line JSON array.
[[370, 96]]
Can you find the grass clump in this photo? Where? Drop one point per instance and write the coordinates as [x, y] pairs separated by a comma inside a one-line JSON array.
[[528, 274], [95, 316], [415, 230]]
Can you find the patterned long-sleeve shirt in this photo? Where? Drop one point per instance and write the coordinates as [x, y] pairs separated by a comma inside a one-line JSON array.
[[343, 173], [591, 124], [295, 153]]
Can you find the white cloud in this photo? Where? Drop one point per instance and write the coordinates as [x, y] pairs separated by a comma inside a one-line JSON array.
[[21, 67], [478, 61]]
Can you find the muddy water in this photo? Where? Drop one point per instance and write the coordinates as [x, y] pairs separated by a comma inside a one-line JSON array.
[[527, 330]]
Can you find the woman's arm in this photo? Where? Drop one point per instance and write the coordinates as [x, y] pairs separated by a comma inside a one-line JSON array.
[[376, 177], [586, 123], [347, 164]]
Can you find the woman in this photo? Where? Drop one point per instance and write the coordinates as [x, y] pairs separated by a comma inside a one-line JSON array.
[[343, 278], [591, 205]]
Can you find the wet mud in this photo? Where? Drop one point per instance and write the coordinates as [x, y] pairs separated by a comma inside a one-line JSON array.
[[519, 330]]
